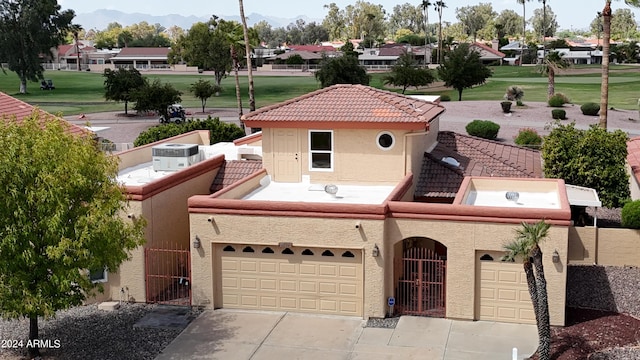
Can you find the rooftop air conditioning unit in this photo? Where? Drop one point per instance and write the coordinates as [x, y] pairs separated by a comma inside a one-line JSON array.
[[174, 157]]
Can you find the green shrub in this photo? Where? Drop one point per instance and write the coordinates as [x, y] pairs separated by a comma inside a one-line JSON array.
[[514, 93], [558, 114], [445, 97], [631, 215], [565, 98], [218, 131], [556, 100], [519, 103], [528, 138], [590, 109], [483, 128]]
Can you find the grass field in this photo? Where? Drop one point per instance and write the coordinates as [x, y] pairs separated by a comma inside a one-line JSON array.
[[83, 92]]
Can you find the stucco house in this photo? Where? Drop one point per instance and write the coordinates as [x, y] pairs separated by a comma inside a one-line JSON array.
[[343, 218]]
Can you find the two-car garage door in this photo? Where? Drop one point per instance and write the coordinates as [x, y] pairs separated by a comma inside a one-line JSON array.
[[316, 280], [502, 292]]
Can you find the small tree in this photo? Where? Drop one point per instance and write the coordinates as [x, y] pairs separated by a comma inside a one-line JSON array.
[[592, 158], [406, 73], [462, 69], [526, 247], [59, 217], [120, 84], [341, 70], [156, 97], [552, 63], [203, 90]]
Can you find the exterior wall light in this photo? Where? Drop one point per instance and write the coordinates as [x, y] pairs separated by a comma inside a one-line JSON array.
[[555, 257], [376, 251], [196, 243]]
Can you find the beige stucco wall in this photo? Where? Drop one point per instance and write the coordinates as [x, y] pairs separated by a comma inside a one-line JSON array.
[[462, 240], [634, 187], [351, 147], [604, 246], [301, 231], [582, 245]]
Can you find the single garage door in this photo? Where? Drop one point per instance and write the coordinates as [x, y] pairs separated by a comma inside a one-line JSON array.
[[502, 293], [315, 280]]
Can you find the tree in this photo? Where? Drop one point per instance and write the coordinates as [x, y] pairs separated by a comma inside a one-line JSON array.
[[203, 89], [440, 5], [524, 20], [544, 22], [247, 47], [75, 30], [235, 40], [406, 73], [606, 39], [28, 29], [406, 16], [120, 84], [156, 96], [364, 18], [341, 70], [60, 217], [526, 246], [463, 69], [425, 7], [552, 63], [334, 21], [475, 17], [592, 158], [510, 22], [623, 24]]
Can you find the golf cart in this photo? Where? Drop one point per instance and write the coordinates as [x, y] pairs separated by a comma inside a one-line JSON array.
[[176, 114]]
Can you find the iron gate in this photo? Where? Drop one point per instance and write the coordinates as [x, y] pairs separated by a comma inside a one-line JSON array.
[[421, 285], [168, 276]]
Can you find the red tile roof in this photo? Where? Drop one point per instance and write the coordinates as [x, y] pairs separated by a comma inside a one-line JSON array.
[[347, 106], [143, 51], [312, 48], [11, 108], [477, 157], [232, 171], [62, 49], [633, 156], [489, 49]]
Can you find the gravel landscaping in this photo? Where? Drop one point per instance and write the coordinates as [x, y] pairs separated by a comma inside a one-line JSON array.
[[85, 332]]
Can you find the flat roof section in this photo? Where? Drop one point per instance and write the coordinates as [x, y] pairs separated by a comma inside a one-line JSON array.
[[307, 192]]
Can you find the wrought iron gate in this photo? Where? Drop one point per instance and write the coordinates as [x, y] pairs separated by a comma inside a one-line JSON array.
[[421, 285], [168, 276]]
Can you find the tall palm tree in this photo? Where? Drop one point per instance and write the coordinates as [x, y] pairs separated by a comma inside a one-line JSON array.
[[75, 30], [524, 20], [552, 63], [440, 5], [425, 7], [236, 42], [247, 49], [606, 38], [527, 246]]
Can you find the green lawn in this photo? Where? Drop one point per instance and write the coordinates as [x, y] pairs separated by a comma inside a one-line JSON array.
[[83, 92]]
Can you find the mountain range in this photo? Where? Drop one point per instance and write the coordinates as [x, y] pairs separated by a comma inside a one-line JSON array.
[[99, 19]]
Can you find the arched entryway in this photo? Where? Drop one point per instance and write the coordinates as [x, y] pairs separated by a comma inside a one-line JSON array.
[[420, 271]]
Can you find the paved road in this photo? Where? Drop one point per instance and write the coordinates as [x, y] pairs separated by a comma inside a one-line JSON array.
[[258, 335]]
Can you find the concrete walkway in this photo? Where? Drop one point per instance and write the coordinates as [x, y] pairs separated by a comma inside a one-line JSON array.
[[229, 334]]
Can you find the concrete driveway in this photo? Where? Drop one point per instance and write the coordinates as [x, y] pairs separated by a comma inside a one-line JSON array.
[[256, 335]]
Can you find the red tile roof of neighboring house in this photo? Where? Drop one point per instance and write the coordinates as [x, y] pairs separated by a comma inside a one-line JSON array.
[[232, 171], [10, 107], [489, 49], [633, 156], [312, 48], [144, 51], [347, 106], [305, 55], [62, 49], [477, 157], [393, 51]]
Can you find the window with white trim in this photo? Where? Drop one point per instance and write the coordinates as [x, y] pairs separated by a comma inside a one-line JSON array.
[[321, 150], [98, 275]]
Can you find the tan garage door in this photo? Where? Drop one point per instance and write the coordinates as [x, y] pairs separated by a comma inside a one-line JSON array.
[[316, 280], [502, 292]]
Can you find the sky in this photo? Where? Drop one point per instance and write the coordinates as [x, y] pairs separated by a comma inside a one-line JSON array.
[[571, 14]]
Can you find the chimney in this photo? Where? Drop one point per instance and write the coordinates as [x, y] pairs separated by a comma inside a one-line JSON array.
[[495, 44]]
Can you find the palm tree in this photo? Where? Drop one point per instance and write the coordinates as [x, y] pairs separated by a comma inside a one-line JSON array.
[[553, 62], [527, 246], [524, 20], [75, 30], [235, 42], [440, 5], [425, 7], [247, 49], [606, 38], [544, 21]]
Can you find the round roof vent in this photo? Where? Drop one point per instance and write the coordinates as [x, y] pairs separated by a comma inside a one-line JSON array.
[[331, 189]]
